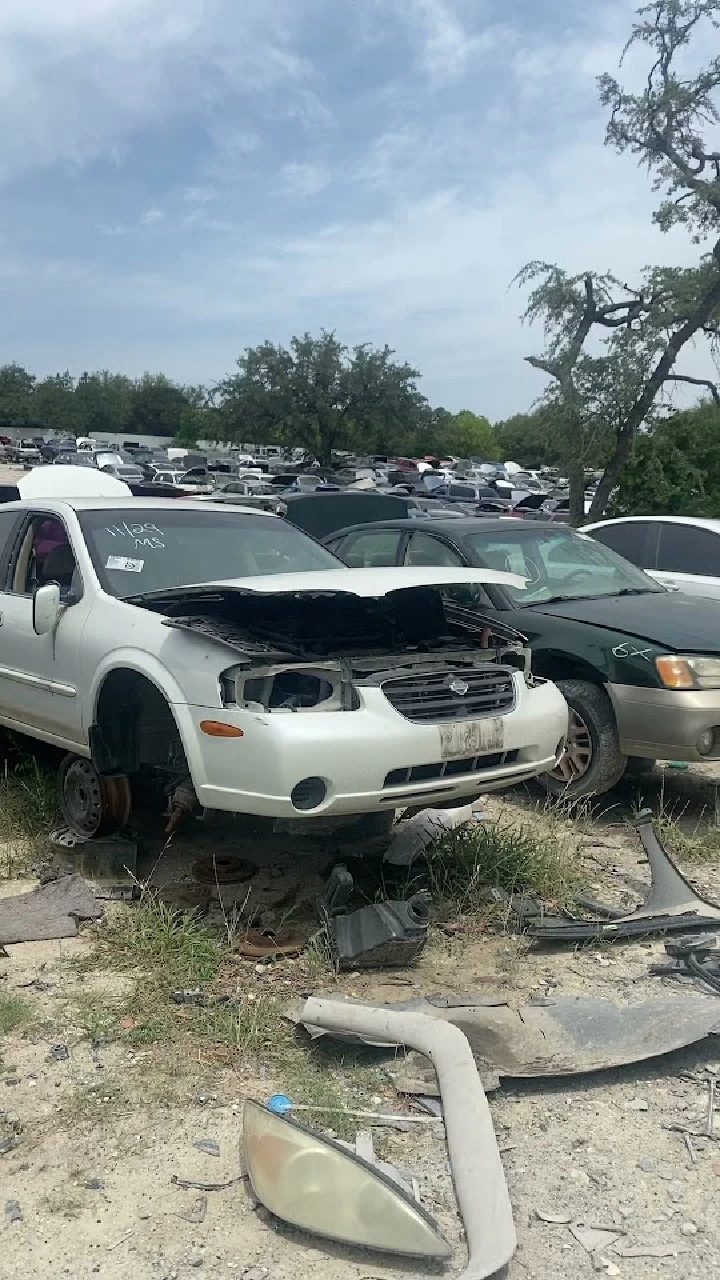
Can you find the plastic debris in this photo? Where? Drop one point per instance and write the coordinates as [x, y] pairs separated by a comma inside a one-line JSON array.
[[13, 1212], [208, 1145], [198, 1211], [429, 826]]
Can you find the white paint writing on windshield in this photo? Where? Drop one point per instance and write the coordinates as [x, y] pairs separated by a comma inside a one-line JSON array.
[[142, 535]]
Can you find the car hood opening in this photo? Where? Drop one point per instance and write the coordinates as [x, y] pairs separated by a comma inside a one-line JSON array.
[[310, 615]]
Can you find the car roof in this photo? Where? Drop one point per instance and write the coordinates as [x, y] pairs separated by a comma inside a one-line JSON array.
[[457, 528], [129, 504], [713, 525]]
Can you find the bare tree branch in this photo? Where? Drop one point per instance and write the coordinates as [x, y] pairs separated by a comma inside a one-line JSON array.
[[712, 387]]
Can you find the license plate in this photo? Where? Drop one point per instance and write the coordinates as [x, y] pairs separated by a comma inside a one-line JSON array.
[[471, 738]]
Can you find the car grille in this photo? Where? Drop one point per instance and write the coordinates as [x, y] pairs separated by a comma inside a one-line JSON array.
[[449, 769], [428, 698]]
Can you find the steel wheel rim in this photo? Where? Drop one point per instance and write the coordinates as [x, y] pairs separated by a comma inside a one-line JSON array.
[[579, 753], [93, 805]]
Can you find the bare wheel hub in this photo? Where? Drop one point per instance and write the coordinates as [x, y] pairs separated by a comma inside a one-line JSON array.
[[578, 756], [92, 805]]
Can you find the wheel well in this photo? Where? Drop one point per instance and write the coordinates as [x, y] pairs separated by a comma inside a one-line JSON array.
[[560, 666], [134, 726]]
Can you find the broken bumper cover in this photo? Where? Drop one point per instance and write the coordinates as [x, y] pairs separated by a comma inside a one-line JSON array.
[[364, 760], [666, 724]]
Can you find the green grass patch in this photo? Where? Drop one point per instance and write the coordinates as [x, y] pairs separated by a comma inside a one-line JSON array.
[[501, 855], [174, 943], [14, 1012], [28, 811]]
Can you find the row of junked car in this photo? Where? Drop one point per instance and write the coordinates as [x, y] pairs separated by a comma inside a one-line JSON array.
[[403, 663]]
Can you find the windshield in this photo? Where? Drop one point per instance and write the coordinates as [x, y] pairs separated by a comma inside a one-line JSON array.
[[558, 565], [144, 549]]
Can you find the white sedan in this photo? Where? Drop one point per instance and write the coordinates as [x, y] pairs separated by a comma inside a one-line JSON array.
[[228, 650], [681, 552]]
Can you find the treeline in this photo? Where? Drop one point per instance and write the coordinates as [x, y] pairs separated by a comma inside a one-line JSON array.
[[99, 404], [317, 394]]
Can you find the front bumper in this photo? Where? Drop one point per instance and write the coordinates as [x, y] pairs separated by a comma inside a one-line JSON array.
[[369, 759], [664, 724]]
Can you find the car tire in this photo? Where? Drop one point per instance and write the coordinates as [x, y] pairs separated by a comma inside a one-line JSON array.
[[594, 762], [639, 767]]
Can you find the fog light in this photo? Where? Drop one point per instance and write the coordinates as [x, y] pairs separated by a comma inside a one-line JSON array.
[[705, 741], [308, 794]]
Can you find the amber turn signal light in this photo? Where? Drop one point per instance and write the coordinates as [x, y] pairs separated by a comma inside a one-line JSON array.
[[216, 729]]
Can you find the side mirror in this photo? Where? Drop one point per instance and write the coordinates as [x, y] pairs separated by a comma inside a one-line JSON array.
[[46, 608]]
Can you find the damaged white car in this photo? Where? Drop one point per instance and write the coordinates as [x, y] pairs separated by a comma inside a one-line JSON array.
[[226, 649]]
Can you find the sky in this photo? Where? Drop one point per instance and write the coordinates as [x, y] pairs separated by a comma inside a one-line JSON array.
[[182, 179]]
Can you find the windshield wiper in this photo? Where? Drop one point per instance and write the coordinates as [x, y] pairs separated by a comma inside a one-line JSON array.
[[637, 591]]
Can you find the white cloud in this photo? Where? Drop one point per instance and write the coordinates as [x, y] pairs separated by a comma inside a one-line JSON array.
[[304, 179], [152, 216], [80, 77], [445, 46]]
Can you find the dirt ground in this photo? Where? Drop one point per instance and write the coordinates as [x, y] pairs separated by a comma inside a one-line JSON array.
[[102, 1131]]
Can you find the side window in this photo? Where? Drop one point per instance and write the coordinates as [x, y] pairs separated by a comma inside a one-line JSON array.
[[628, 539], [687, 549], [464, 491], [371, 549], [424, 549], [45, 555], [8, 521]]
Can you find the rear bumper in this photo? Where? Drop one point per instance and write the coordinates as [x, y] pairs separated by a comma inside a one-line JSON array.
[[368, 759], [665, 724]]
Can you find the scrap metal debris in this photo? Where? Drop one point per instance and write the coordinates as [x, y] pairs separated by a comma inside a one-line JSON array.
[[694, 958], [377, 936], [58, 1053], [269, 944], [219, 868], [593, 1238], [100, 857], [189, 1184], [50, 911], [475, 1161], [671, 905], [197, 1212], [13, 1212], [208, 1145], [561, 1036]]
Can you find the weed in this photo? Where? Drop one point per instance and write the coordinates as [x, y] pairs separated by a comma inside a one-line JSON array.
[[500, 855], [28, 807], [174, 943], [94, 1016], [13, 1013], [253, 1026]]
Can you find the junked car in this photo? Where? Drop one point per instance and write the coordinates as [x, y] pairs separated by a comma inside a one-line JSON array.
[[638, 665], [226, 648]]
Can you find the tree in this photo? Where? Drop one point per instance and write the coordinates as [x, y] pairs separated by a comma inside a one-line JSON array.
[[105, 403], [675, 469], [321, 396], [53, 405], [16, 388], [158, 406], [471, 435], [532, 439], [642, 330]]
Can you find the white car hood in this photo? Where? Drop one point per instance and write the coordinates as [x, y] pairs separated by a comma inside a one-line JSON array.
[[368, 583]]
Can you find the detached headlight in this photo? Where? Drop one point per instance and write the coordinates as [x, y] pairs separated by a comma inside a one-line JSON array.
[[688, 672]]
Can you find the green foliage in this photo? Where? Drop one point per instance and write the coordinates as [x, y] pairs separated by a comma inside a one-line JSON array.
[[638, 333], [470, 435], [674, 469], [13, 1013], [322, 396], [532, 439]]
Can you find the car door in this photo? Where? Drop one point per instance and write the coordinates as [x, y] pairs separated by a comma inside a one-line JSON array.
[[372, 548], [40, 675], [688, 558], [634, 540]]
